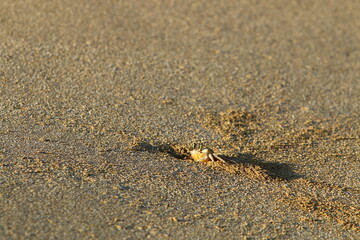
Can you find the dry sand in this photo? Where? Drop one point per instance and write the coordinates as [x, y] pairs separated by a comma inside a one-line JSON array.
[[101, 101]]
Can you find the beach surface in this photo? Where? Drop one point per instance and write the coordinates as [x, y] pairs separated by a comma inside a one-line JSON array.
[[101, 102]]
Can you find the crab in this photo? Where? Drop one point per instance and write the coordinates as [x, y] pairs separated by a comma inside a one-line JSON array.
[[206, 155]]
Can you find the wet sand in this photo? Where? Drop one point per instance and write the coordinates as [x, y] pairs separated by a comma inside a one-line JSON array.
[[101, 102]]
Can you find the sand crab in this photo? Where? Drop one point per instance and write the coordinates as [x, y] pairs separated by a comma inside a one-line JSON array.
[[206, 155]]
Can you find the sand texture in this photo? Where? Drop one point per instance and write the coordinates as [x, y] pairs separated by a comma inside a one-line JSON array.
[[102, 101]]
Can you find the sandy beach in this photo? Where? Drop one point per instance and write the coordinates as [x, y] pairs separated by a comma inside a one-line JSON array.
[[101, 103]]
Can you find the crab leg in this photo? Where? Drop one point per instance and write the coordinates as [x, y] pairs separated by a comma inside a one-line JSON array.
[[225, 161], [211, 157]]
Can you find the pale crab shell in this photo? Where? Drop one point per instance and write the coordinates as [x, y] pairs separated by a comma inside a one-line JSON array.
[[206, 155], [201, 155]]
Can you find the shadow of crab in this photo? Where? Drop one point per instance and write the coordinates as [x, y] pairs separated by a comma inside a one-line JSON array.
[[176, 151], [277, 170]]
